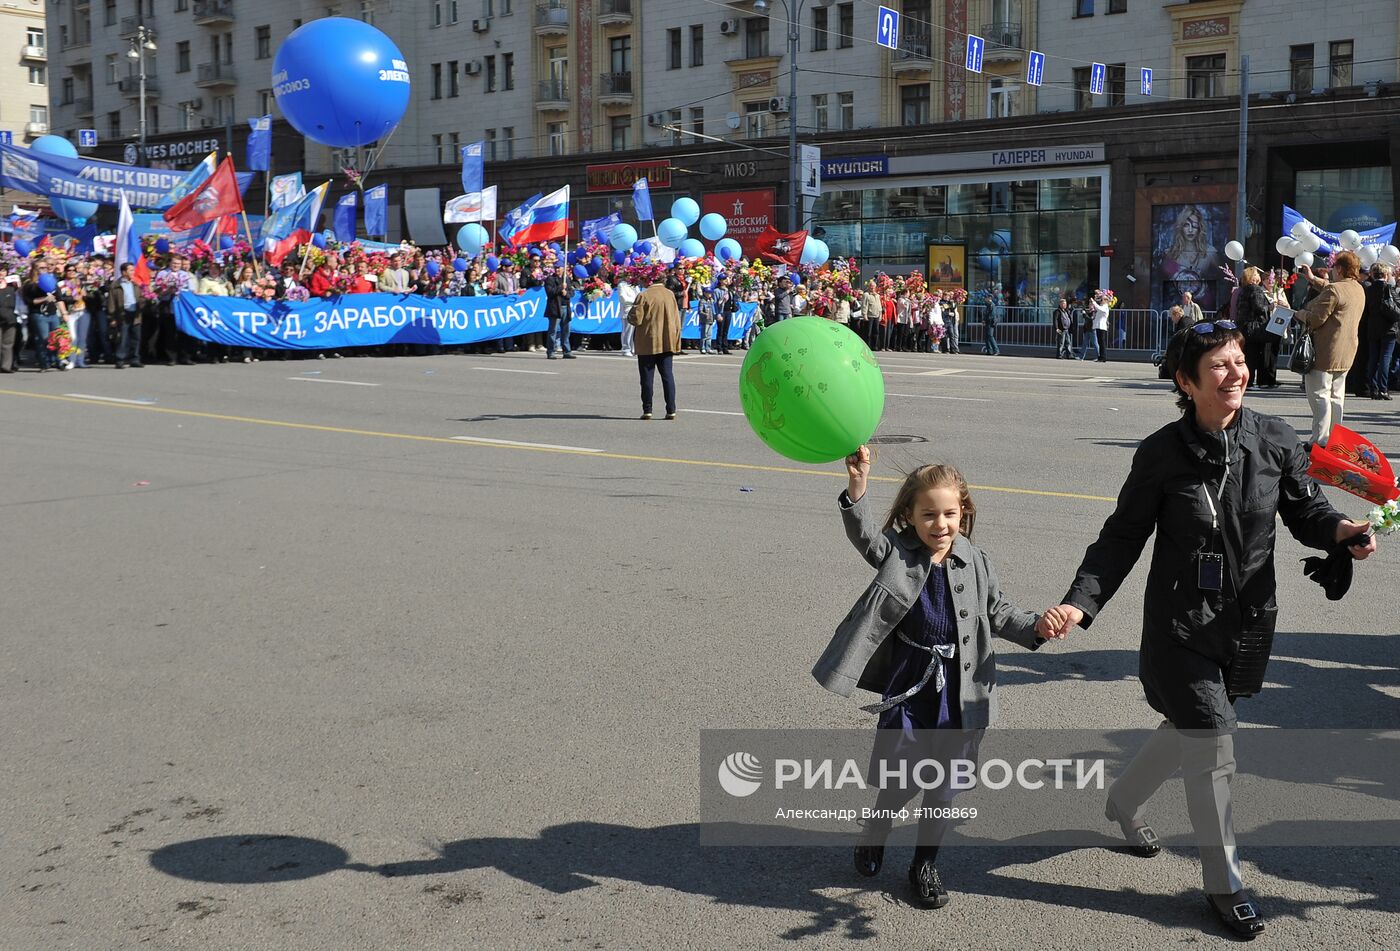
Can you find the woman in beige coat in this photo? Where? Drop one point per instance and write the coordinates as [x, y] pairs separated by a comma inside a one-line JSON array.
[[1334, 319]]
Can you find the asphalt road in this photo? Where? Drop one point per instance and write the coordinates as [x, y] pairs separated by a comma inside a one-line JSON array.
[[270, 631]]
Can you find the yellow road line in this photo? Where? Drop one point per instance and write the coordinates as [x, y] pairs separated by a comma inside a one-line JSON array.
[[468, 441]]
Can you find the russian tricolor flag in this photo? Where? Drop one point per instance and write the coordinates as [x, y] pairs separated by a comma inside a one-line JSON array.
[[547, 219], [128, 249], [293, 225]]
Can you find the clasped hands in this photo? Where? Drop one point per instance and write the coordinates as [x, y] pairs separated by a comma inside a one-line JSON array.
[[1055, 623]]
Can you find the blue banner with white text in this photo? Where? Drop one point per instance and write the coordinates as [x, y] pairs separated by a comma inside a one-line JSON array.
[[89, 179], [372, 320]]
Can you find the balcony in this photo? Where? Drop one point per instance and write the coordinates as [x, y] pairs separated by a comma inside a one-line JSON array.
[[615, 89], [130, 86], [82, 106], [915, 54], [36, 128], [128, 27], [1003, 42], [35, 54], [552, 18], [212, 75], [614, 12], [213, 12], [552, 96]]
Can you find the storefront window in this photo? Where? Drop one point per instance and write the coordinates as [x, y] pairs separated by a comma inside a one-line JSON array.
[[1340, 198]]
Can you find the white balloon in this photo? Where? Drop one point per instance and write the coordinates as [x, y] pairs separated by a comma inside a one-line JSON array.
[[1294, 247], [1234, 250], [1368, 255], [1310, 243], [1284, 246], [1303, 259], [1349, 240], [1300, 229], [1389, 255]]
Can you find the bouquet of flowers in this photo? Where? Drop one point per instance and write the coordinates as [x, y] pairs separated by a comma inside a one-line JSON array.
[[884, 284], [265, 288], [165, 285], [914, 285], [353, 176], [642, 273], [201, 256], [821, 303], [595, 288], [342, 282], [296, 294], [957, 295], [936, 332], [61, 345], [1385, 519], [701, 273], [1109, 298]]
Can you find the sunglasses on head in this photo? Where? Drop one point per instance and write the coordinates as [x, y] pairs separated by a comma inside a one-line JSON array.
[[1206, 327]]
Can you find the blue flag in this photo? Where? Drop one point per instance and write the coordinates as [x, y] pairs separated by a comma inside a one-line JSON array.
[[473, 167], [345, 218], [377, 210], [641, 199], [517, 218], [598, 229], [260, 143]]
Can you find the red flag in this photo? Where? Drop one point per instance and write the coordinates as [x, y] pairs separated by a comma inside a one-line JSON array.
[[773, 245], [216, 197]]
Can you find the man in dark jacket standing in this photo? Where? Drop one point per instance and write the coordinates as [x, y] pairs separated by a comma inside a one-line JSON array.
[[1064, 331], [556, 311], [9, 321], [124, 316]]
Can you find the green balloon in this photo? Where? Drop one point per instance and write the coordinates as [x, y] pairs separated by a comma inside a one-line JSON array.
[[811, 389]]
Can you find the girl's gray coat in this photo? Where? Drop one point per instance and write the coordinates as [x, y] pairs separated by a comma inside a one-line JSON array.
[[859, 653]]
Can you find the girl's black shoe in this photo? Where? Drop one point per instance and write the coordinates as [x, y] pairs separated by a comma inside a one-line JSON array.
[[1238, 912], [868, 859], [1140, 837], [928, 887]]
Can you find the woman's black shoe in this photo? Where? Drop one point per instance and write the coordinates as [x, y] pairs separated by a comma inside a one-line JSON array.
[[1140, 837], [869, 858], [928, 887], [1238, 912]]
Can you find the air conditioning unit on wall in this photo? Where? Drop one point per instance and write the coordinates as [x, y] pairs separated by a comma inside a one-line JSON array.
[[656, 119], [481, 26], [473, 67], [729, 27], [778, 105]]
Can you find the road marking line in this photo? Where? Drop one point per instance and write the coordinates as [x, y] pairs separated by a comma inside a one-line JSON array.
[[713, 412], [510, 370], [528, 445], [317, 379], [471, 440], [948, 372], [110, 399], [922, 396]]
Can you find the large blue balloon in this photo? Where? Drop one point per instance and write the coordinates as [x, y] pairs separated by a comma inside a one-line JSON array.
[[471, 238], [686, 210], [623, 236], [619, 257], [594, 265], [713, 226], [459, 265], [580, 272], [48, 283], [226, 243], [642, 247], [340, 82], [162, 245], [691, 248], [433, 268], [493, 263], [815, 252], [66, 208], [24, 247], [671, 232], [729, 250]]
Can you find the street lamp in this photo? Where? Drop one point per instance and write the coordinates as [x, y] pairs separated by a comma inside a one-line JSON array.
[[144, 41], [794, 21]]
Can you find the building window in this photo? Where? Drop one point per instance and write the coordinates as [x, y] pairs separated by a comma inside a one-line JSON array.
[[846, 25], [262, 39], [111, 64], [67, 90], [697, 119], [1117, 84], [1300, 68], [754, 113], [228, 48], [697, 45], [1339, 60], [507, 70], [1205, 76], [265, 101], [186, 119], [452, 79], [1117, 6], [673, 48], [819, 22], [436, 19], [846, 101], [558, 138], [998, 99], [34, 36], [820, 122], [38, 76], [1083, 8], [454, 147], [1082, 98], [437, 81], [674, 121], [488, 150], [109, 13], [452, 11], [506, 8], [508, 136], [914, 104], [488, 8], [437, 148], [620, 133], [114, 125], [490, 74], [182, 56], [755, 37], [620, 54]]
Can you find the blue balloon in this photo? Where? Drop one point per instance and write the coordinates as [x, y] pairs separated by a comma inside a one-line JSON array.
[[619, 257], [594, 266], [686, 210], [623, 236], [471, 238], [226, 243], [433, 268], [729, 250], [713, 226], [691, 248], [580, 272], [48, 283], [319, 240], [815, 252], [459, 265], [66, 208], [24, 247], [671, 232], [340, 82], [162, 246], [796, 276], [642, 247], [493, 263]]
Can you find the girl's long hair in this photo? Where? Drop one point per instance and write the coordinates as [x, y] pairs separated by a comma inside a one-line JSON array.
[[932, 477]]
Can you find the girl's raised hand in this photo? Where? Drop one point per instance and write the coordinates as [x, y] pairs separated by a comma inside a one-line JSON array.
[[858, 470]]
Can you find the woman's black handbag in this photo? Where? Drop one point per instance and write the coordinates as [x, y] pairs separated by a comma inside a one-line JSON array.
[[1304, 356]]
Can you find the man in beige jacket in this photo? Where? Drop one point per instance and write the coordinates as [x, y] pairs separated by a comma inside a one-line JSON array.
[[657, 318], [1334, 318]]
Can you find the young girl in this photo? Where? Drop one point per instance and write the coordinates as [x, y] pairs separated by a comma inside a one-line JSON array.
[[921, 637]]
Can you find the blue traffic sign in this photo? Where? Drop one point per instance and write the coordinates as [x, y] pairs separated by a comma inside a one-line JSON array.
[[1146, 81], [887, 28], [7, 137], [1035, 68], [87, 138], [1097, 74], [975, 47]]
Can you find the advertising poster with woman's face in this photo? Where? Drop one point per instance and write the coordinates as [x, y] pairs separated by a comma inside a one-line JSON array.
[[1186, 243]]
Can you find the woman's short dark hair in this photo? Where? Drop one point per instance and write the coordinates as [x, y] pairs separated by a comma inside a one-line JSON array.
[[1185, 350]]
